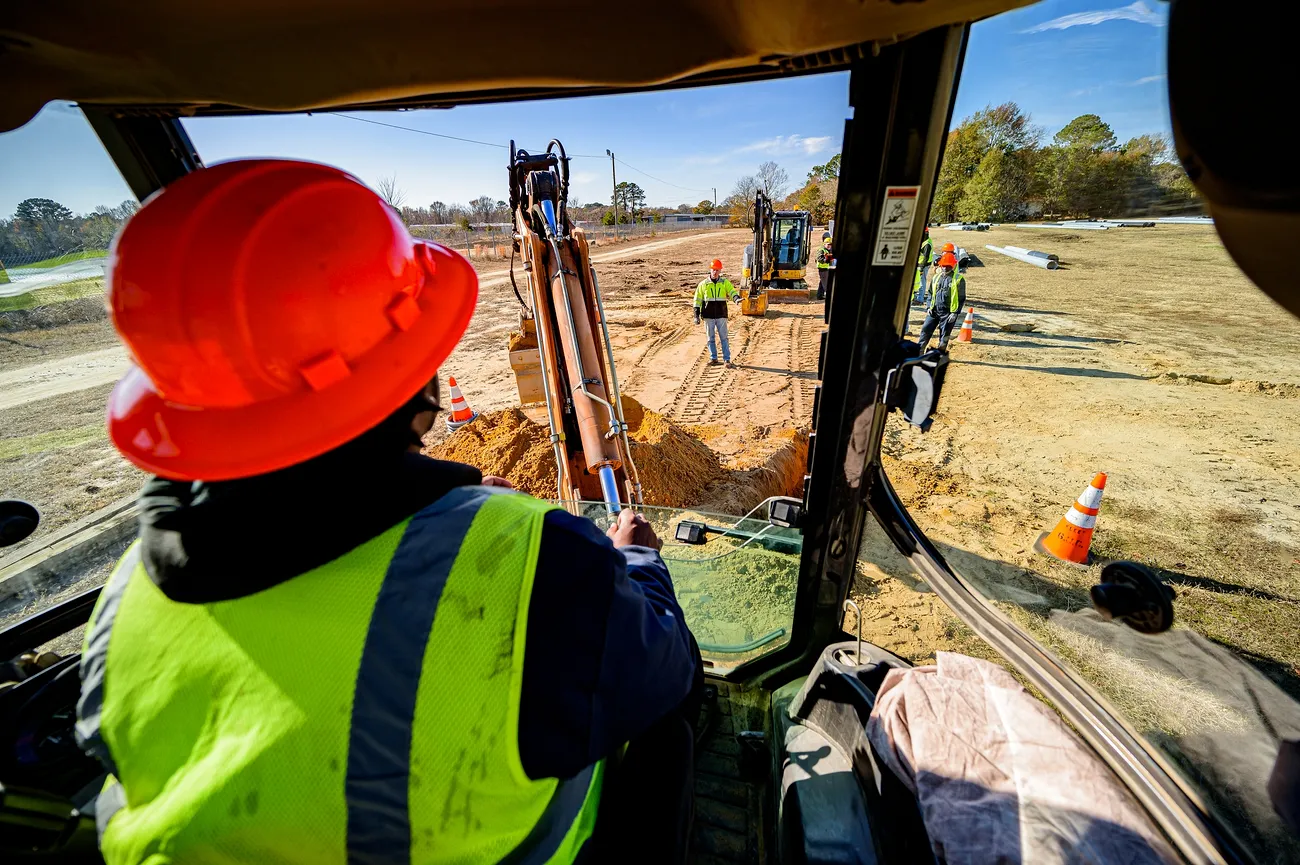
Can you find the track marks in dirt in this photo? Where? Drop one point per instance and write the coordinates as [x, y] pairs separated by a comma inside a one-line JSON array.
[[805, 343]]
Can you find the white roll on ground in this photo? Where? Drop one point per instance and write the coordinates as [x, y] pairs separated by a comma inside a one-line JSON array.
[[1052, 255], [1046, 263], [1082, 226]]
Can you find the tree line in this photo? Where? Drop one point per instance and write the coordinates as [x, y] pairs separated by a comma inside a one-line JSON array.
[[997, 168], [41, 228]]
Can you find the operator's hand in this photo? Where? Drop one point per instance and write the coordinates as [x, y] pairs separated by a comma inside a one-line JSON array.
[[632, 529], [495, 481], [735, 298], [697, 315]]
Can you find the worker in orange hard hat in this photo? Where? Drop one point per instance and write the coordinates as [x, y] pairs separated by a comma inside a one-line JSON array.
[[711, 297], [324, 642], [947, 297]]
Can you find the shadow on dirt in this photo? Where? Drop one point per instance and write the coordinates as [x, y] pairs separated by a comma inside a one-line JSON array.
[[1075, 371]]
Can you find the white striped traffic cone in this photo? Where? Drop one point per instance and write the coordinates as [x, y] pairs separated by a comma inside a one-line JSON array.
[[967, 333], [1072, 537], [461, 413]]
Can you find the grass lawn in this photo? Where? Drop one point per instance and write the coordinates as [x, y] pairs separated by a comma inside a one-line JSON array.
[[73, 290]]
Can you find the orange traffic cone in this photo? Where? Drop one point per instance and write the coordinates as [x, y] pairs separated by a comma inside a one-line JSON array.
[[1072, 537], [967, 332], [461, 413]]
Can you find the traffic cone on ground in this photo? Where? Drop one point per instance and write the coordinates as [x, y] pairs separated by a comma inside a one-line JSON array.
[[967, 332], [1072, 537], [461, 413]]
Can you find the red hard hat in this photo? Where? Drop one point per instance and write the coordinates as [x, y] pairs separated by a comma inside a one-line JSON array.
[[948, 247], [273, 310], [947, 260], [716, 264]]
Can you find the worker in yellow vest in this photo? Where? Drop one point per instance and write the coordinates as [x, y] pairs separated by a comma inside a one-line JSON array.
[[711, 297], [923, 261], [946, 300], [326, 647]]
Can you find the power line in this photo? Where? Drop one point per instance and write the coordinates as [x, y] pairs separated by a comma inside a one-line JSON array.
[[443, 135], [506, 146], [413, 129], [661, 180]]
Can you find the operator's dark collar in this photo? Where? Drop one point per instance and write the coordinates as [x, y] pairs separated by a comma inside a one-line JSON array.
[[204, 542]]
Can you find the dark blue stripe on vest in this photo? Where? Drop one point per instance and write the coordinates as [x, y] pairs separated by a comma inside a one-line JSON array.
[[383, 708], [545, 838]]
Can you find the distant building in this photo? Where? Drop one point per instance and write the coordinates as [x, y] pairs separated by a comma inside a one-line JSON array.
[[709, 220]]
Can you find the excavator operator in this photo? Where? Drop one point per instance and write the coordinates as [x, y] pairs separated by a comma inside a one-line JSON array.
[[325, 646]]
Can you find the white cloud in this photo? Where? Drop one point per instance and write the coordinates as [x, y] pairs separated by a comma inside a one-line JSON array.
[[1137, 11], [787, 144], [1148, 80]]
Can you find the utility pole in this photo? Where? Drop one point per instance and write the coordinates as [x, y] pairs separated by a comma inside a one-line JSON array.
[[715, 198], [614, 175]]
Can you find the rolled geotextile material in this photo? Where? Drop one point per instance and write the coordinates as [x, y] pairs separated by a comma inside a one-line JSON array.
[[1045, 263], [1084, 226], [1052, 255]]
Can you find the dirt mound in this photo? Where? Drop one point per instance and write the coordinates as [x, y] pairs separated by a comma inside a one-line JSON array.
[[771, 465], [675, 466], [1281, 390]]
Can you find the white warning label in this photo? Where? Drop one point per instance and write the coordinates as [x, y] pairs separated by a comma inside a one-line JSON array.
[[895, 225]]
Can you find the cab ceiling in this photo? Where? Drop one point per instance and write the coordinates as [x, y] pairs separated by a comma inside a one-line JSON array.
[[224, 56]]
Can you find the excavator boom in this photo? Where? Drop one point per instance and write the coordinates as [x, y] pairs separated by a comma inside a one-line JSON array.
[[562, 351]]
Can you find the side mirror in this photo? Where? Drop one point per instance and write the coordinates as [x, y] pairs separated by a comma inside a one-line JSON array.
[[1134, 594], [18, 520]]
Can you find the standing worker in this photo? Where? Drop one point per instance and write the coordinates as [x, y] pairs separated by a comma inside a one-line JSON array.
[[946, 300], [923, 259], [325, 646], [825, 263], [711, 297]]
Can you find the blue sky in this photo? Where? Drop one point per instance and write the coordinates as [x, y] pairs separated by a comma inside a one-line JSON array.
[[1057, 59]]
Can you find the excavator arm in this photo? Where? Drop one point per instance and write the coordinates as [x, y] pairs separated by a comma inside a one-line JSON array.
[[562, 356]]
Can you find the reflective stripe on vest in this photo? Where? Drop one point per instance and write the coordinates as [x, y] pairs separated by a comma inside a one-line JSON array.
[[958, 291], [365, 711]]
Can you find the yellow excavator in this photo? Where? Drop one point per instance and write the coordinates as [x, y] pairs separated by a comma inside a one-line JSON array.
[[561, 355], [774, 263]]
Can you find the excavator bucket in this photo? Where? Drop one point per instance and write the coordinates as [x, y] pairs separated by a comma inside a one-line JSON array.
[[754, 304]]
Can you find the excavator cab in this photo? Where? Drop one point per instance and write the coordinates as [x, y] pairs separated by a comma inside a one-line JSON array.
[[785, 769], [775, 262]]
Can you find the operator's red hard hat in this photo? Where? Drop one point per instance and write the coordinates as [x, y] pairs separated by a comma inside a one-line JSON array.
[[716, 264], [948, 247], [947, 260], [273, 310]]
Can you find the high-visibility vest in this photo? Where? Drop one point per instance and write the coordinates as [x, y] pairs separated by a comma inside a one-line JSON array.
[[365, 711], [824, 258], [927, 248]]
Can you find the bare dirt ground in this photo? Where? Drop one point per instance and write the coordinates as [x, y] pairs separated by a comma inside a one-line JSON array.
[[1152, 359]]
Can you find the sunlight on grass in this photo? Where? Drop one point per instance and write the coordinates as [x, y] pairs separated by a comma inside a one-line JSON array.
[[50, 441]]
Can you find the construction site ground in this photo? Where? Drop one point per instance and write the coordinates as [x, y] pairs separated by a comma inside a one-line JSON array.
[[1151, 358]]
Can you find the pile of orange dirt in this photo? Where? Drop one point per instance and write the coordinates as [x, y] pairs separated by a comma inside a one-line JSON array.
[[675, 466]]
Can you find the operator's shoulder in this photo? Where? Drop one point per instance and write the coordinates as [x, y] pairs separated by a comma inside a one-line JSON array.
[[565, 529]]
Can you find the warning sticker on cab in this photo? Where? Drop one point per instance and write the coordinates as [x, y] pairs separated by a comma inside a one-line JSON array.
[[895, 225]]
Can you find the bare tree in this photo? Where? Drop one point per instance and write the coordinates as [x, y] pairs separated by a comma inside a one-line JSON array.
[[439, 213], [389, 191], [740, 204], [482, 208], [772, 179]]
